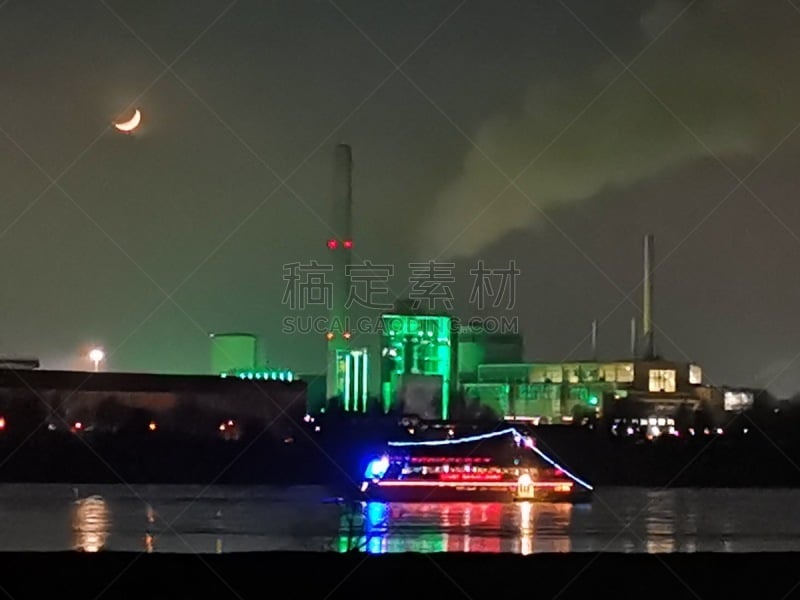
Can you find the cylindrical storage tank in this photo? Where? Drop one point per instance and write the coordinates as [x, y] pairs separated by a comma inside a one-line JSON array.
[[232, 352]]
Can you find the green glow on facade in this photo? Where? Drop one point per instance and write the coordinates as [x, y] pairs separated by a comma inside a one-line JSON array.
[[416, 345], [352, 370]]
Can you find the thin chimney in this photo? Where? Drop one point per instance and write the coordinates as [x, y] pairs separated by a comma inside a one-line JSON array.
[[594, 339], [339, 249], [647, 308], [633, 337]]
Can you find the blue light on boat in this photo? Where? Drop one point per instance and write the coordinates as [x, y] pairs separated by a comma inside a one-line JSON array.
[[376, 468]]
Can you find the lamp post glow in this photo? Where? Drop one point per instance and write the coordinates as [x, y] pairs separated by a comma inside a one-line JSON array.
[[96, 355]]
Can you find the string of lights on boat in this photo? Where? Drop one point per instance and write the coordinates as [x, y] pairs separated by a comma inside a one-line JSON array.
[[519, 438]]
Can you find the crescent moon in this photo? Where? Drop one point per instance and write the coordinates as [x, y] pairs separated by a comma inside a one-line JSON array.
[[130, 124]]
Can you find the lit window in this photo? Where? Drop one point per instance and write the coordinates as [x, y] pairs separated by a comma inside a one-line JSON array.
[[554, 374], [625, 372], [695, 375], [662, 380]]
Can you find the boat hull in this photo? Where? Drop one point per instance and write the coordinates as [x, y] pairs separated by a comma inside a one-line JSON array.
[[410, 493]]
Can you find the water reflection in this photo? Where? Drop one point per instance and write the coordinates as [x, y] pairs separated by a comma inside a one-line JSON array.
[[660, 513], [522, 527], [90, 524], [173, 519]]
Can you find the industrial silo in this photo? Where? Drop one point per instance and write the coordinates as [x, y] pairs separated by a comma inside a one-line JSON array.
[[232, 352]]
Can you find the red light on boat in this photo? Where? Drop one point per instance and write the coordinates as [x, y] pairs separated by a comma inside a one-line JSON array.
[[449, 459], [471, 477]]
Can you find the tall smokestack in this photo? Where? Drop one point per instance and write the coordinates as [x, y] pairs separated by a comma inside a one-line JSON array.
[[343, 190], [633, 337], [647, 304], [339, 247], [594, 340], [340, 241]]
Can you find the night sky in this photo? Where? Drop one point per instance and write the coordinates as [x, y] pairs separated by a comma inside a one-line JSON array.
[[480, 130]]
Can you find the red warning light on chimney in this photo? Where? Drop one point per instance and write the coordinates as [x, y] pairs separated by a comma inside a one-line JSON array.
[[347, 244], [332, 244]]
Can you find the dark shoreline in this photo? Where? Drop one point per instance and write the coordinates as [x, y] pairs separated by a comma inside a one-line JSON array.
[[339, 460], [331, 575]]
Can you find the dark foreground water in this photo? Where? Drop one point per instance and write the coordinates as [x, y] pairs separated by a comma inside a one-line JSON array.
[[229, 519]]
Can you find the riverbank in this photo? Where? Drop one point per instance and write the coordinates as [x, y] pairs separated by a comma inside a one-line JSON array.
[[338, 458], [330, 575]]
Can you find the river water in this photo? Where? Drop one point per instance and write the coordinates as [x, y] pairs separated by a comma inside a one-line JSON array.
[[195, 519]]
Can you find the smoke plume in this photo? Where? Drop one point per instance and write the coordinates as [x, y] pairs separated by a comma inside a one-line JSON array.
[[724, 68]]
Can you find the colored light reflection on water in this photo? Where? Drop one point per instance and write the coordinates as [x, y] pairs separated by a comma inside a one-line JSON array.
[[521, 527]]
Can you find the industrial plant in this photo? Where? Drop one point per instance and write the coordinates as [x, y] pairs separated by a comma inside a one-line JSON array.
[[418, 364], [431, 367]]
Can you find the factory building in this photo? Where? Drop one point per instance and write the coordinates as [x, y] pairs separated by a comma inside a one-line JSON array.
[[477, 347], [418, 362], [642, 391], [562, 392], [434, 372], [423, 364], [203, 406]]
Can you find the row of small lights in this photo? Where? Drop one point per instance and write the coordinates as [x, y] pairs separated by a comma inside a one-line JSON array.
[[151, 426], [266, 375]]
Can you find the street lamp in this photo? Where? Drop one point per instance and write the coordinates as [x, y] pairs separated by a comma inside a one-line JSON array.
[[96, 355]]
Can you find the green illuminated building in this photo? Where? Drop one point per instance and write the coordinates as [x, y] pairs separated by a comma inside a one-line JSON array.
[[417, 360], [352, 378]]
